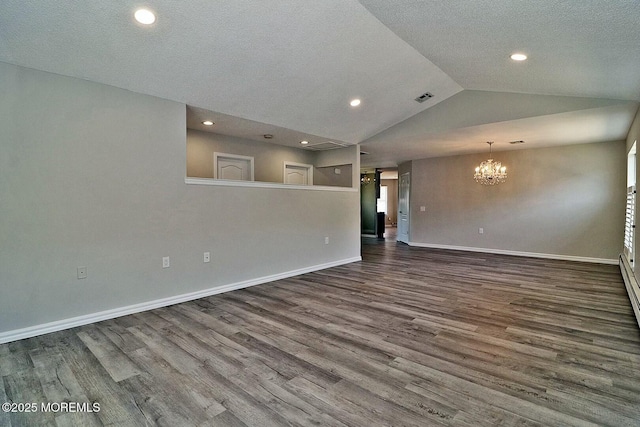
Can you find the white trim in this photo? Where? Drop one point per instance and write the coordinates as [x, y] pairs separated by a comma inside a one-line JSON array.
[[631, 284], [400, 237], [517, 253], [217, 156], [259, 184], [60, 325], [309, 169]]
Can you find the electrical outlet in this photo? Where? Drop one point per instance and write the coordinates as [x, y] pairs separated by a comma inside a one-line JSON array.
[[166, 263], [207, 256], [326, 240], [423, 208], [82, 272], [480, 230]]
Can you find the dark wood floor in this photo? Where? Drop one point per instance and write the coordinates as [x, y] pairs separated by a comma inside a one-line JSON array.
[[408, 337]]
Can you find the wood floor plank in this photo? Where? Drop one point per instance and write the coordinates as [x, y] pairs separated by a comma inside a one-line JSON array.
[[224, 419], [179, 359], [344, 408], [240, 402], [60, 385], [161, 393], [116, 363], [285, 403], [5, 416], [23, 387], [488, 395], [14, 358], [120, 336]]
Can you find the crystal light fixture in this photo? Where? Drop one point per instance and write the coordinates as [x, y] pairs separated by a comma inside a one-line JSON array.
[[490, 172]]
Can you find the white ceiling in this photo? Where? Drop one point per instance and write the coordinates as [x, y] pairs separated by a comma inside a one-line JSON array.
[[290, 67]]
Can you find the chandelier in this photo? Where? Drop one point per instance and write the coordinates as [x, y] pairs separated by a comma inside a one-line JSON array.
[[366, 179], [490, 172]]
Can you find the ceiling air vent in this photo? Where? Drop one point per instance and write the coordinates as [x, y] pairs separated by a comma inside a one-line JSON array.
[[516, 142], [425, 96], [327, 145]]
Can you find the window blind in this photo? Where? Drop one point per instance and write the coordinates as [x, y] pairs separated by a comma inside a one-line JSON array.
[[629, 226]]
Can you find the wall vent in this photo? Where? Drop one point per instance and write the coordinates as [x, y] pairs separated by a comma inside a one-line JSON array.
[[425, 96]]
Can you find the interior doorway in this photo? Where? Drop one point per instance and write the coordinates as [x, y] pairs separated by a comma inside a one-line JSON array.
[[379, 203], [388, 202]]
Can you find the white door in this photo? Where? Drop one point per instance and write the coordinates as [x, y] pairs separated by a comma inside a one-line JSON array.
[[298, 174], [403, 207], [231, 166]]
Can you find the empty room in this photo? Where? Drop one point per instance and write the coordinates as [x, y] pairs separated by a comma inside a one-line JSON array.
[[194, 195]]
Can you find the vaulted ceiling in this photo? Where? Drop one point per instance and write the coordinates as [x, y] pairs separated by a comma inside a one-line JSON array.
[[290, 67]]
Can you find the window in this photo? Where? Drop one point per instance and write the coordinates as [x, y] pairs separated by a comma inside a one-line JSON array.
[[382, 201], [629, 221]]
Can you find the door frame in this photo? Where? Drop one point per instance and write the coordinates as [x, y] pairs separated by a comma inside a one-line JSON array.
[[223, 156], [309, 169], [400, 237]]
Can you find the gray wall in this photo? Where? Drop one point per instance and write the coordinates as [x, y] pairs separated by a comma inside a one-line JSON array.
[[327, 176], [92, 175], [328, 160], [564, 200]]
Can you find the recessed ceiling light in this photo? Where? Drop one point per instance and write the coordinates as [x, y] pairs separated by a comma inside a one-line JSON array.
[[207, 123], [304, 142], [355, 102], [267, 136], [145, 16], [518, 56]]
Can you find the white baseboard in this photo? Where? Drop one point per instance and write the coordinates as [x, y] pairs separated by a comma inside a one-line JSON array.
[[631, 284], [517, 253], [60, 325]]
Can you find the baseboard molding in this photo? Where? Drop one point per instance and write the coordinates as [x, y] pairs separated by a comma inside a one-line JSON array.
[[73, 322], [517, 253], [631, 284]]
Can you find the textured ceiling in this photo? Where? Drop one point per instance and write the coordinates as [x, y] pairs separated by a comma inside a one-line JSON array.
[[585, 48], [290, 67]]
